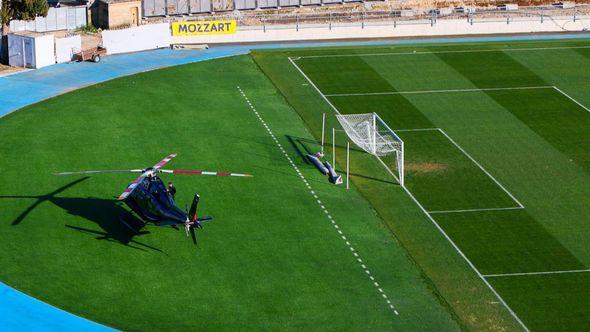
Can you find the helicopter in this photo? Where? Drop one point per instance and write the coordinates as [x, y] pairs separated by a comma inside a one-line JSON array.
[[149, 198]]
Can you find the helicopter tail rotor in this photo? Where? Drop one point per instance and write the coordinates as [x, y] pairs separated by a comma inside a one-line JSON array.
[[193, 220]]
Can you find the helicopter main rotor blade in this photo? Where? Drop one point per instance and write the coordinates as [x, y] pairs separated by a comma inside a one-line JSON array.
[[101, 171], [164, 161], [132, 186], [190, 172]]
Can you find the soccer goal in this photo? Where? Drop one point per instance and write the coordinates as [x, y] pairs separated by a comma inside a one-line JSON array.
[[370, 133]]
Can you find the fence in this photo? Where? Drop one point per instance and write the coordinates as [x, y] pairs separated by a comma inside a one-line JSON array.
[[357, 18], [184, 7], [63, 18]]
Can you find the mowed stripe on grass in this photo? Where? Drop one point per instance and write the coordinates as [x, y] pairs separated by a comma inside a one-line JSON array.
[[522, 136]]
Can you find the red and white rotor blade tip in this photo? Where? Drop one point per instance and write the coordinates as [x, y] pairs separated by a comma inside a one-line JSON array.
[[184, 171], [101, 171], [164, 161]]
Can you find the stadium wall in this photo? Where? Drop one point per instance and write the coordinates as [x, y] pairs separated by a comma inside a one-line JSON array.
[[450, 27], [141, 38]]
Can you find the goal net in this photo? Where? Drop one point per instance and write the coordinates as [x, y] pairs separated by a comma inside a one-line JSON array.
[[370, 133]]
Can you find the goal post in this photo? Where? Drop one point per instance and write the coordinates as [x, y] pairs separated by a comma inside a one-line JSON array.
[[370, 133]]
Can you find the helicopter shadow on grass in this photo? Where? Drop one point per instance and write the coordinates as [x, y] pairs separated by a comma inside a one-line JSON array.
[[105, 213], [302, 147]]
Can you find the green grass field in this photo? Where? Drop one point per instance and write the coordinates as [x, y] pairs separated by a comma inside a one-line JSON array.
[[490, 232], [501, 130], [271, 259]]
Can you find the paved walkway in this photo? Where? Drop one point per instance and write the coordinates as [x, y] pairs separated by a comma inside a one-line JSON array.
[[24, 313]]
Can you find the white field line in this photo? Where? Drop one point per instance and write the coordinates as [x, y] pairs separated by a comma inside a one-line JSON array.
[[481, 167], [572, 99], [313, 84], [445, 52], [471, 265], [520, 206], [417, 129], [322, 206], [439, 91], [534, 273], [477, 210]]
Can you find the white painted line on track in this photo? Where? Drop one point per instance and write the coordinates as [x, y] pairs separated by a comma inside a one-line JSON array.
[[534, 273], [438, 91], [443, 52], [319, 202]]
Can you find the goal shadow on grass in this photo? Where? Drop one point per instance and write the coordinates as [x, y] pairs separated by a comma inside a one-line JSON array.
[[305, 146], [103, 212]]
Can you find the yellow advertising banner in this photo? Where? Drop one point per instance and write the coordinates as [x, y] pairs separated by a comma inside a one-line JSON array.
[[196, 28]]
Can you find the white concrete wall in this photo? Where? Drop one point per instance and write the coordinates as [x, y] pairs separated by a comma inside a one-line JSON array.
[[144, 37], [66, 47], [440, 28], [44, 51]]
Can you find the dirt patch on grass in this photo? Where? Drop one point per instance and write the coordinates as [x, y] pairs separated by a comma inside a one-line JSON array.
[[425, 167]]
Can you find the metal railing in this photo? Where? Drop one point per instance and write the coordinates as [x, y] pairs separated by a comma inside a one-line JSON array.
[[252, 20]]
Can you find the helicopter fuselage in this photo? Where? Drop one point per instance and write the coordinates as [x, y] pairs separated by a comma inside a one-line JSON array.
[[152, 202]]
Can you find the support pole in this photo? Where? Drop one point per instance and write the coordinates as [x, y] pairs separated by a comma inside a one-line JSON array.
[[374, 149], [401, 166], [333, 147], [323, 131], [347, 163]]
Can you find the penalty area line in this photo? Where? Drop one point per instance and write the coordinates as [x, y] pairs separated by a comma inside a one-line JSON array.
[[438, 91], [571, 98], [534, 273], [321, 205], [477, 210]]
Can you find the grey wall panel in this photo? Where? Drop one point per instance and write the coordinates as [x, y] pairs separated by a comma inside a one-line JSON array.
[[51, 20], [287, 3], [200, 6], [182, 6], [160, 7], [147, 7], [154, 7], [71, 21], [61, 18], [268, 3], [56, 19], [245, 4], [311, 2]]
